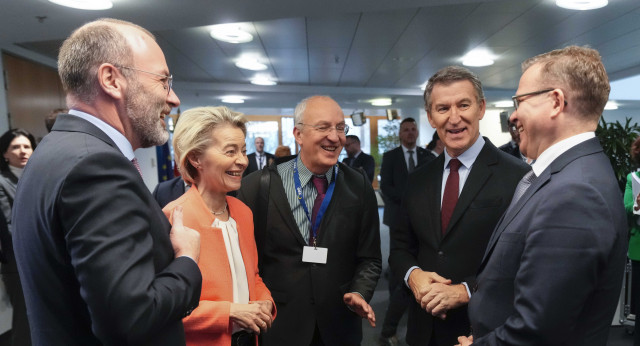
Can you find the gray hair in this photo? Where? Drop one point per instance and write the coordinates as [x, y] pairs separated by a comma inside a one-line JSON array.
[[302, 106], [449, 75], [86, 49]]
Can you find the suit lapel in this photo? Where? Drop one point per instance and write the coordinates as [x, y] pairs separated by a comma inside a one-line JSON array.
[[479, 174], [432, 194], [279, 198], [588, 147]]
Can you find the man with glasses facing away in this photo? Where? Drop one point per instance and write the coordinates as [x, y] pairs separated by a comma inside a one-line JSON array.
[[317, 233], [99, 262], [553, 268], [451, 206]]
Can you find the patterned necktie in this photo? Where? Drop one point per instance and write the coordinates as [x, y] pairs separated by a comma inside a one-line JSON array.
[[321, 186], [412, 163], [261, 157], [135, 163], [450, 197], [522, 187]]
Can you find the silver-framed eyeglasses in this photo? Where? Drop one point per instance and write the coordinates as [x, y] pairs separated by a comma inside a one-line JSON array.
[[166, 85], [516, 101], [324, 128]]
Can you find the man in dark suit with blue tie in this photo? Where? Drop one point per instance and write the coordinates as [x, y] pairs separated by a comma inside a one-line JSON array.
[[553, 268], [450, 209], [357, 159], [98, 260], [259, 159]]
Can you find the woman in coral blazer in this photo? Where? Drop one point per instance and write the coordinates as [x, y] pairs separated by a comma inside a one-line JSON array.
[[235, 305]]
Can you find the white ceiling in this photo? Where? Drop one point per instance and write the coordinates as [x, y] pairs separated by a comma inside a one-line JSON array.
[[353, 50]]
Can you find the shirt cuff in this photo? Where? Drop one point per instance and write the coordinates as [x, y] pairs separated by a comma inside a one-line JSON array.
[[406, 276], [467, 287]]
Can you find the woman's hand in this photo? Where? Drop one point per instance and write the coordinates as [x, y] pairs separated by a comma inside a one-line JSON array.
[[251, 316]]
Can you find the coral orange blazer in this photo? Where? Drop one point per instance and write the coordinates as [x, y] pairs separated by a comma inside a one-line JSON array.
[[209, 323]]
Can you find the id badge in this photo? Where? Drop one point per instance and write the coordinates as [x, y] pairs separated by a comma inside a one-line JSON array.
[[312, 254]]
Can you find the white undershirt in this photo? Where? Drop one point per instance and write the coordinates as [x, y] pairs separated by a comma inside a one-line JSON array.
[[236, 264]]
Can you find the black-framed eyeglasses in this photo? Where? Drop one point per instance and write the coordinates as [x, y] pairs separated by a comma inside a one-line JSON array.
[[324, 128], [516, 101], [166, 85]]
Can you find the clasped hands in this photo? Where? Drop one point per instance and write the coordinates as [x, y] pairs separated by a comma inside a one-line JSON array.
[[255, 316], [436, 294]]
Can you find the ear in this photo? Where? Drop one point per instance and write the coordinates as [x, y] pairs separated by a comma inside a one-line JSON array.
[[483, 107], [193, 160], [297, 134], [559, 102], [111, 81]]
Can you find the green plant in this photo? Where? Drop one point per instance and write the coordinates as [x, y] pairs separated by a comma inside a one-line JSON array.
[[616, 140], [386, 142]]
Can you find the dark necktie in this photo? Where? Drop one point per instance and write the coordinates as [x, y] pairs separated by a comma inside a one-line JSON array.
[[261, 157], [450, 197], [135, 163], [321, 186], [412, 163]]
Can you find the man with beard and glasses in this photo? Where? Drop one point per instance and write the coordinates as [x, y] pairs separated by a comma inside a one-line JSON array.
[[99, 262]]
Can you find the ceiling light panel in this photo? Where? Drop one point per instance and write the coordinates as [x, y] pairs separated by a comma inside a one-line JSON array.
[[85, 4], [581, 5]]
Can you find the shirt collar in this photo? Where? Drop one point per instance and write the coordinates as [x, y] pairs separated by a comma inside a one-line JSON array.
[[469, 156], [305, 174], [118, 138], [405, 149], [551, 153]]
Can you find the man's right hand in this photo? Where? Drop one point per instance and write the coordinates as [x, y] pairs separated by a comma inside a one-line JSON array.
[[185, 241], [419, 281]]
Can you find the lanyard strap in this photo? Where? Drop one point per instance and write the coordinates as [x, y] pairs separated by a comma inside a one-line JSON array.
[[325, 201]]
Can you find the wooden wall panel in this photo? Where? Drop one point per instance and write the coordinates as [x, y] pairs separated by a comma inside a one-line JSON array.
[[33, 90]]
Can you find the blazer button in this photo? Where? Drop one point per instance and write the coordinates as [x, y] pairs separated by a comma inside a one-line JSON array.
[[475, 287]]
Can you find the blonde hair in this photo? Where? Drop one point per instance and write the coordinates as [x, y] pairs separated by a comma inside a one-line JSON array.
[[192, 134], [579, 72]]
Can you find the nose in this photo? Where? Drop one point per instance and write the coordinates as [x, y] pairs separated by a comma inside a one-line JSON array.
[[242, 160], [172, 99], [334, 134], [454, 118], [513, 116]]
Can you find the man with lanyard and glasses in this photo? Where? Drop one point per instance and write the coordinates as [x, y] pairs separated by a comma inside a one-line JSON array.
[[317, 229]]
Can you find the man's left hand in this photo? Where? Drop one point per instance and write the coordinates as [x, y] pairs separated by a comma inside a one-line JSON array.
[[440, 298], [358, 305], [465, 340]]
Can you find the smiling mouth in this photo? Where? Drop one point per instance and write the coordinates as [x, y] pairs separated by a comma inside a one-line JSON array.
[[332, 149], [234, 174], [520, 129], [456, 131]]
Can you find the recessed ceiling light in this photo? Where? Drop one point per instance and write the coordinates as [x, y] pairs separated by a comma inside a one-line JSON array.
[[611, 105], [381, 102], [233, 99], [263, 80], [231, 33], [504, 104], [477, 58], [85, 4], [581, 4], [251, 64]]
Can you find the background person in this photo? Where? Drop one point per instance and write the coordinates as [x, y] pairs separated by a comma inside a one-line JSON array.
[[632, 207], [258, 159], [17, 146], [235, 305], [282, 151], [357, 159]]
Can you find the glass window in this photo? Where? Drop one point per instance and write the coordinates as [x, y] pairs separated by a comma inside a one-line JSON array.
[[268, 130]]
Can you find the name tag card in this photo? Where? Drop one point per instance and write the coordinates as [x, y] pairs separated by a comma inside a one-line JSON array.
[[312, 254]]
